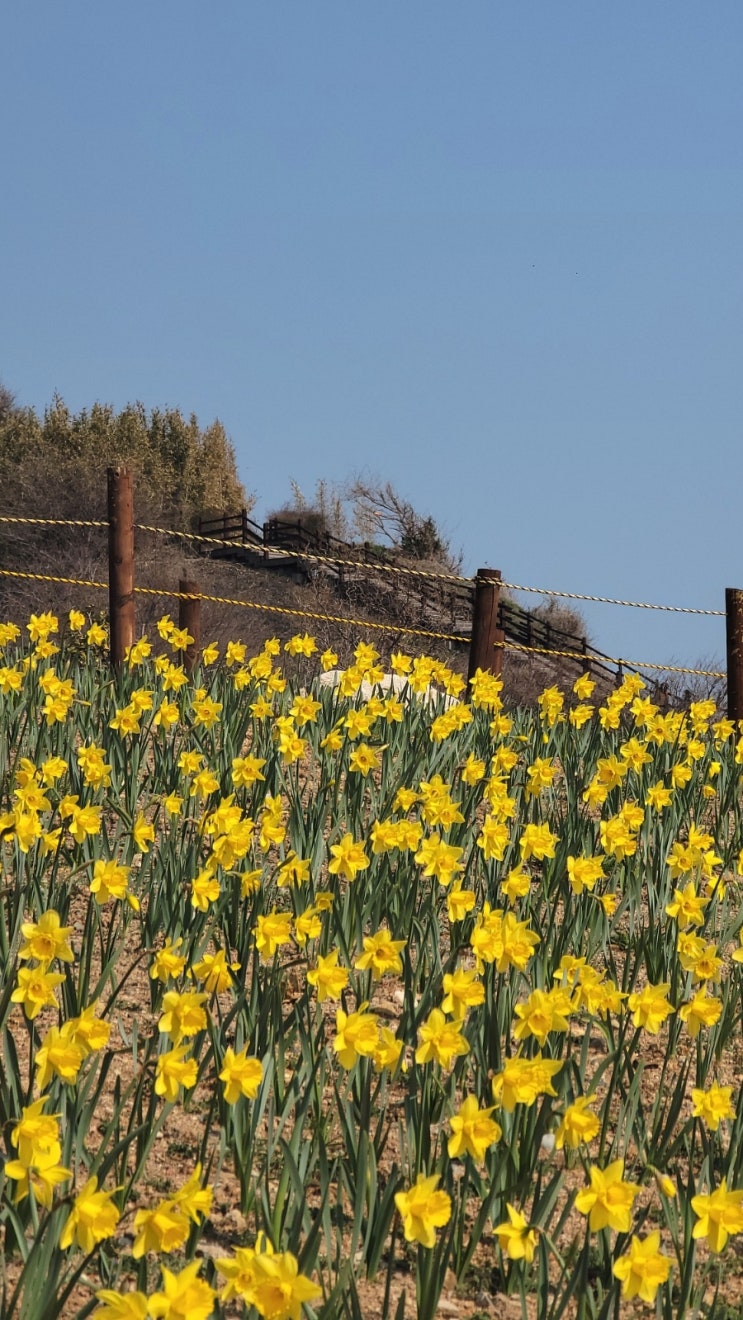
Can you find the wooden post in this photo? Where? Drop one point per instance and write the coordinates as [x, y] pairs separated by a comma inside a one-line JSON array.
[[734, 637], [499, 638], [485, 631], [121, 612], [189, 617]]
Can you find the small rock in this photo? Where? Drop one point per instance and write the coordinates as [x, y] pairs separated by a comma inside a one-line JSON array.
[[294, 980], [236, 1221], [506, 1308], [447, 1307], [386, 1008], [213, 1249]]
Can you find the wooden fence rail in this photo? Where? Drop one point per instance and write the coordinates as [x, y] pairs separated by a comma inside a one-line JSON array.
[[237, 527]]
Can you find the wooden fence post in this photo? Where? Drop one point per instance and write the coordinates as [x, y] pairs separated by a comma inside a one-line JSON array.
[[734, 638], [189, 617], [484, 654], [121, 612]]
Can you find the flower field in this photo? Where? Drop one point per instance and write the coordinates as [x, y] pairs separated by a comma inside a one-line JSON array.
[[449, 994]]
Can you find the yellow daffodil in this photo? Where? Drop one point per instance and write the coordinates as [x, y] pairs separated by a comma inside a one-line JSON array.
[[423, 1209], [644, 1269]]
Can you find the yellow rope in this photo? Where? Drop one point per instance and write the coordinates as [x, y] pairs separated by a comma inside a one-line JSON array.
[[55, 522], [362, 563], [246, 604], [363, 623], [629, 664], [48, 577], [307, 554], [610, 600], [271, 549], [301, 614]]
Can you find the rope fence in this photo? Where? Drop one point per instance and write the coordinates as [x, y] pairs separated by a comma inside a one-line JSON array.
[[55, 522], [50, 577], [369, 565], [611, 600], [164, 592], [487, 641], [301, 614], [613, 660], [245, 604]]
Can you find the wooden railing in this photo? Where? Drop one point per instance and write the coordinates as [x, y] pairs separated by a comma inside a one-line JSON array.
[[237, 527]]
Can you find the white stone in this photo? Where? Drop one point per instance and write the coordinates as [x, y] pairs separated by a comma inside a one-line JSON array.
[[397, 684]]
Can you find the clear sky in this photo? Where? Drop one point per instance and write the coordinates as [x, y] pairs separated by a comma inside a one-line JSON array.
[[488, 250]]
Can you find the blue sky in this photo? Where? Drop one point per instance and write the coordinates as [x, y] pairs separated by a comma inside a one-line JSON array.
[[488, 251]]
